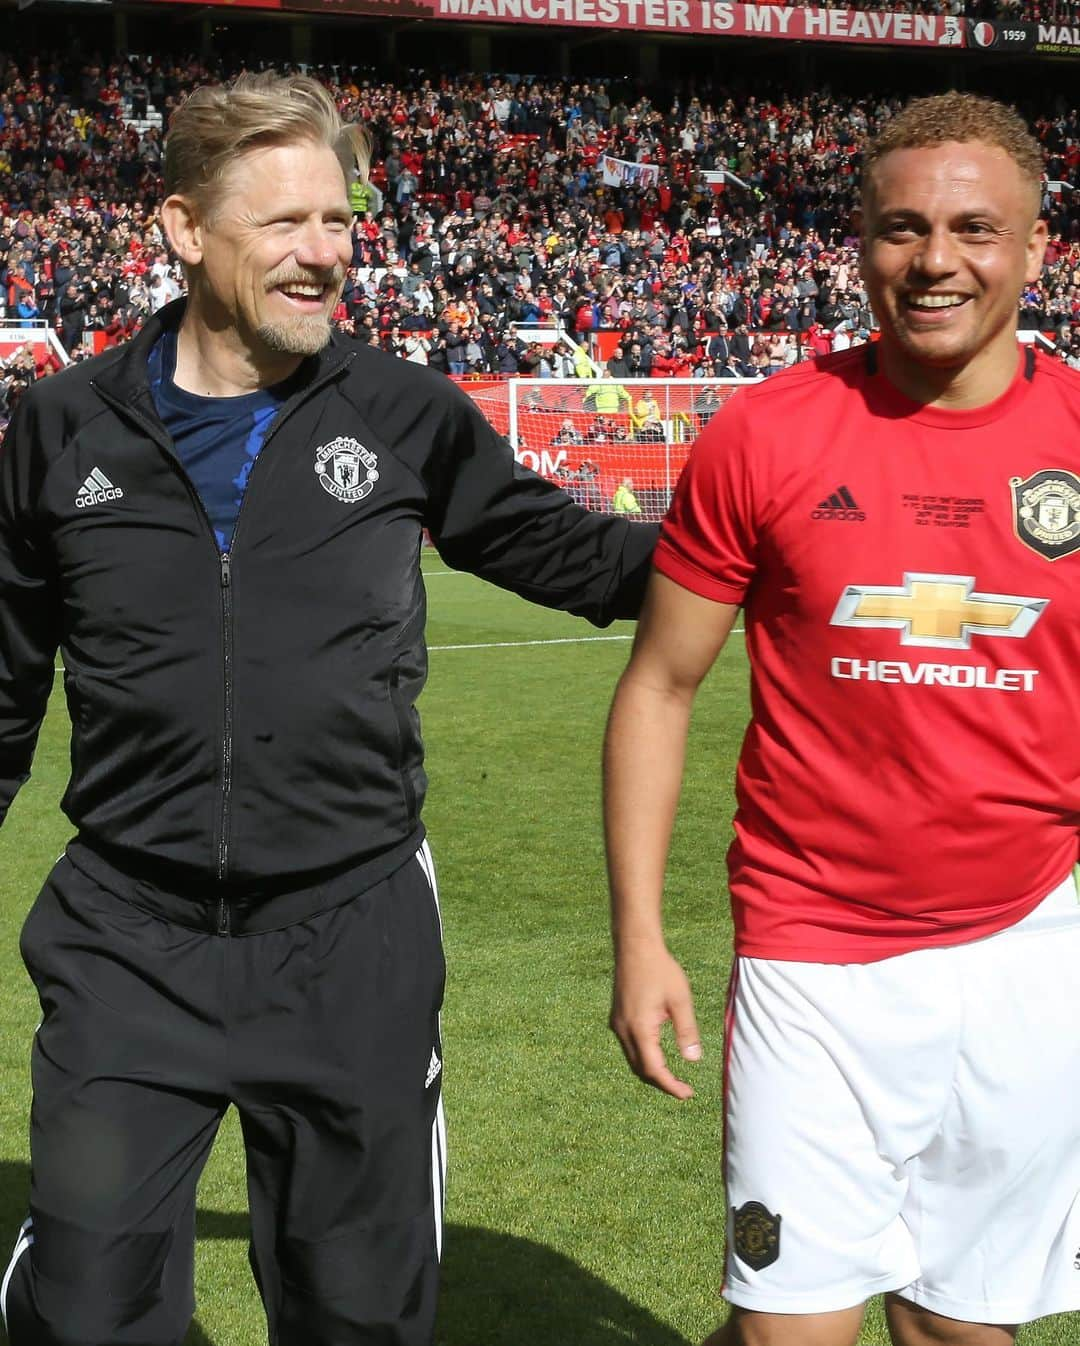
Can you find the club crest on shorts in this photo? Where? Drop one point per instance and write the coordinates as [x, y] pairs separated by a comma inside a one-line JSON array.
[[1046, 512], [346, 469], [756, 1235]]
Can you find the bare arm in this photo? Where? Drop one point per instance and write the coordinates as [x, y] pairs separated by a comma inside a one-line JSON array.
[[678, 640]]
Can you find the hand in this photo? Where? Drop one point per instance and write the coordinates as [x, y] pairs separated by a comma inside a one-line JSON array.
[[651, 989]]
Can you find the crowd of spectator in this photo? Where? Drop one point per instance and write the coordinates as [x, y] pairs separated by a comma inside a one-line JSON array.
[[487, 218]]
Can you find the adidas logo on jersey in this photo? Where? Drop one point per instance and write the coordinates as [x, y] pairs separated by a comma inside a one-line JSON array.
[[96, 489], [840, 507]]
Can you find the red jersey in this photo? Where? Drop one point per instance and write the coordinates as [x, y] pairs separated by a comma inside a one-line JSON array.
[[911, 579]]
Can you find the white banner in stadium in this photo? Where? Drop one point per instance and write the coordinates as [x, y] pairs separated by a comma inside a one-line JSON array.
[[622, 173]]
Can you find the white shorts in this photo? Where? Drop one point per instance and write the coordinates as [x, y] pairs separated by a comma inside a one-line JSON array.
[[910, 1125]]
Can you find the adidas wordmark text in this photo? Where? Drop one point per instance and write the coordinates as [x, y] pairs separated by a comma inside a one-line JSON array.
[[96, 489]]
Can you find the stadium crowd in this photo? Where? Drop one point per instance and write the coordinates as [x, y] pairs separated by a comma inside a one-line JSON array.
[[725, 246]]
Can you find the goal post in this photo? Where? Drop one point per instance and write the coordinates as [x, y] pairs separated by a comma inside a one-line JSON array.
[[612, 445]]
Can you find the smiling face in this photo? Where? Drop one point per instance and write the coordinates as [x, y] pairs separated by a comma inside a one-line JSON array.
[[949, 238], [267, 262]]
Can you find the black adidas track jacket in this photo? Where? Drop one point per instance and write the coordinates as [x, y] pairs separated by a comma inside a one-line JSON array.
[[244, 730]]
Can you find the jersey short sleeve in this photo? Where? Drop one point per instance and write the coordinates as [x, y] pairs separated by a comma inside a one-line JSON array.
[[708, 542]]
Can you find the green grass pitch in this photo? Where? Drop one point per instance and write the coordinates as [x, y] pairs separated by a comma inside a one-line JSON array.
[[583, 1209]]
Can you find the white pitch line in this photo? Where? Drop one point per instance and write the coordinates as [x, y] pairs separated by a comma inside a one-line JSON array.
[[562, 640], [514, 644]]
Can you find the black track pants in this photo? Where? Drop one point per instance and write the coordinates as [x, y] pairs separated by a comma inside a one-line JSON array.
[[324, 1035]]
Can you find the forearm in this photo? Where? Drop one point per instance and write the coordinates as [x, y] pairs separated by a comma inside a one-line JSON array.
[[644, 752]]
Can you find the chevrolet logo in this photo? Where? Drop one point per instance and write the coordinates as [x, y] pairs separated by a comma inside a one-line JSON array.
[[939, 611]]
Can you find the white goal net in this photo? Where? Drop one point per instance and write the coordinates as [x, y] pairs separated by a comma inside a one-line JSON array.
[[613, 446]]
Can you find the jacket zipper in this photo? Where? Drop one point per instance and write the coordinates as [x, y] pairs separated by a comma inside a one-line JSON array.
[[227, 670], [226, 748]]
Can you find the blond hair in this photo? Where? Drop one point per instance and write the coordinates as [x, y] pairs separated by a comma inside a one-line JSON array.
[[218, 122], [960, 117]]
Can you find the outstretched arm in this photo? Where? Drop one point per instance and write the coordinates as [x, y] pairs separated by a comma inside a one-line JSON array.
[[678, 639], [30, 607], [489, 515]]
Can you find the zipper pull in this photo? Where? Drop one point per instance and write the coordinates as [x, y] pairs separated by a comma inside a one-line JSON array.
[[225, 576]]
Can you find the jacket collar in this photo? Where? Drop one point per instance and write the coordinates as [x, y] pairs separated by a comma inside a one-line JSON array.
[[125, 377]]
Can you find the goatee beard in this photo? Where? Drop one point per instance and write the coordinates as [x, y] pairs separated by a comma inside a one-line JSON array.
[[297, 336]]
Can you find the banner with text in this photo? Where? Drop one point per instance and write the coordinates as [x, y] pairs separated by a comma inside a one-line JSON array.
[[724, 18], [1046, 39]]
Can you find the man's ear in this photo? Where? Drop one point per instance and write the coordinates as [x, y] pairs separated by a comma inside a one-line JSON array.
[[183, 228], [1036, 250]]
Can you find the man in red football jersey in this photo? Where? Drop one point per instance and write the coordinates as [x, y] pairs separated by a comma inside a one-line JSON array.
[[901, 525]]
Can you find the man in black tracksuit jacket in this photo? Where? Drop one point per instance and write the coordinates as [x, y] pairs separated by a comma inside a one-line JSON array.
[[247, 914]]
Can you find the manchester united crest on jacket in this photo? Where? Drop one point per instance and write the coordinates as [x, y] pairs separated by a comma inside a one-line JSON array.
[[346, 469]]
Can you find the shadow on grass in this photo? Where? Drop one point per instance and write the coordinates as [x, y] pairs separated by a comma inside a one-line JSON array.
[[501, 1291], [497, 1290]]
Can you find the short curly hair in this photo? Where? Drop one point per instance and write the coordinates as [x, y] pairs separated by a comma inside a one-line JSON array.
[[218, 122], [960, 117]]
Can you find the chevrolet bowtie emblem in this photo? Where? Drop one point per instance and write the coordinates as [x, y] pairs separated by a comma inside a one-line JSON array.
[[939, 611]]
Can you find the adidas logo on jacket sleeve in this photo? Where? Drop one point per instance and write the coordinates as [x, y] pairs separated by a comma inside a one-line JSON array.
[[96, 489]]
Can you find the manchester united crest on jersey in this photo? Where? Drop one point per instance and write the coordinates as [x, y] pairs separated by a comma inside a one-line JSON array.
[[756, 1235], [346, 469], [1046, 512]]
